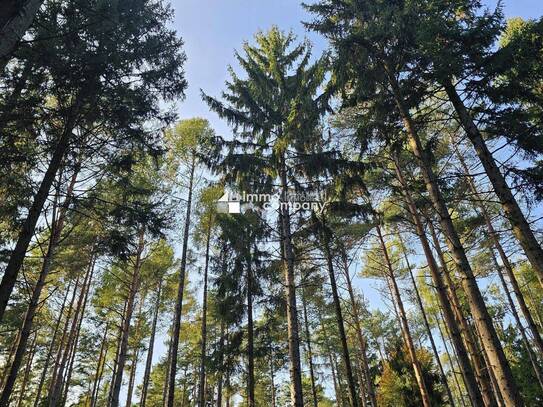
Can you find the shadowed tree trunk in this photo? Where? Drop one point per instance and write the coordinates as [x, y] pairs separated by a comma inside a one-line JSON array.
[[512, 211], [99, 368], [250, 339], [176, 329], [203, 344], [221, 366], [26, 375], [135, 357], [489, 338], [396, 296], [309, 351]]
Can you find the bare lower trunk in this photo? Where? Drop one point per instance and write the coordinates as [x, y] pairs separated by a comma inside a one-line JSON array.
[[221, 366], [489, 338], [295, 369], [176, 328], [203, 344], [353, 397], [149, 360], [441, 291], [512, 211], [250, 341], [99, 368], [125, 332], [370, 388], [26, 375], [395, 292], [309, 352]]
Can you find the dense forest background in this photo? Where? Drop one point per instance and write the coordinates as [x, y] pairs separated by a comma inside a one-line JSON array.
[[394, 254]]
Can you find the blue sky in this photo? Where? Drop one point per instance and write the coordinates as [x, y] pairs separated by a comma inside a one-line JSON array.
[[213, 29]]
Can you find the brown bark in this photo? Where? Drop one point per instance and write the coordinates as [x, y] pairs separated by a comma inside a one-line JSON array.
[[512, 211], [353, 397], [221, 366], [125, 331], [135, 357], [309, 351], [176, 329], [396, 296], [26, 375], [369, 386], [99, 368], [295, 369], [441, 291], [250, 340], [203, 343], [149, 360], [489, 338]]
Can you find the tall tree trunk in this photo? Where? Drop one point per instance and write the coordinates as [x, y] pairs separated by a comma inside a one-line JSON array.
[[309, 351], [514, 312], [337, 392], [441, 291], [250, 338], [481, 369], [117, 352], [172, 371], [15, 18], [26, 375], [203, 343], [56, 230], [370, 388], [135, 358], [483, 321], [51, 347], [512, 211], [99, 368], [353, 397], [428, 328], [25, 235], [395, 292], [125, 332], [295, 367], [451, 361], [221, 366], [503, 256], [55, 395], [272, 380], [149, 360]]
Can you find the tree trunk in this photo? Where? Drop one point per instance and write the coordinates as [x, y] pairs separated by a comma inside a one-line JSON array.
[[512, 211], [481, 369], [203, 344], [272, 379], [51, 348], [370, 388], [15, 18], [25, 235], [504, 258], [339, 316], [56, 230], [221, 366], [125, 332], [99, 368], [309, 352], [170, 395], [26, 375], [135, 358], [395, 291], [117, 351], [55, 395], [429, 329], [441, 291], [295, 369], [149, 360], [250, 338], [483, 321]]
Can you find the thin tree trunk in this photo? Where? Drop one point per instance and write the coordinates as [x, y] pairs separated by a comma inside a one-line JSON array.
[[26, 375], [504, 258], [309, 351], [203, 344], [117, 352], [51, 347], [99, 368], [489, 338], [272, 380], [512, 211], [180, 291], [135, 358], [427, 326], [250, 339], [56, 230], [15, 18], [25, 235], [295, 367], [441, 291], [481, 369], [221, 366], [149, 360], [339, 317], [125, 331], [395, 291], [168, 360], [370, 388]]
